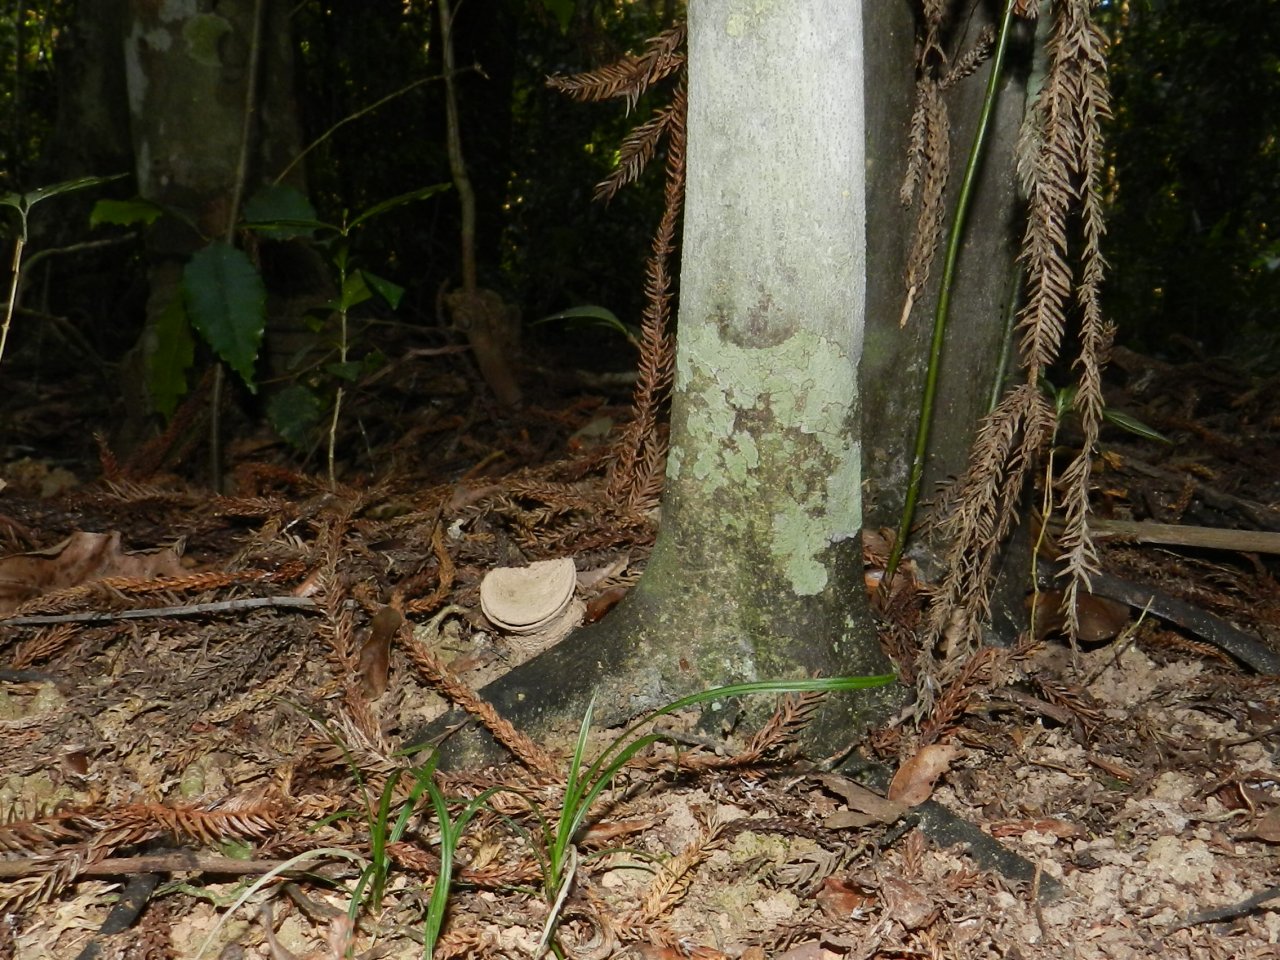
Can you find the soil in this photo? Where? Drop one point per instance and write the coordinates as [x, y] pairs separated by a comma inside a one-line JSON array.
[[206, 714]]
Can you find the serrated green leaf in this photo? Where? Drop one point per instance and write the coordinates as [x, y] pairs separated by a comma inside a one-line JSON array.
[[282, 212], [422, 193], [294, 413], [392, 293], [174, 353], [226, 301], [1134, 426], [125, 212]]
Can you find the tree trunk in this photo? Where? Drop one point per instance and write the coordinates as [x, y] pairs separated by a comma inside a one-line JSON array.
[[757, 570], [188, 74], [895, 361]]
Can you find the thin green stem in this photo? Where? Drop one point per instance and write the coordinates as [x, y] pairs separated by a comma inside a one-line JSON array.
[[954, 238]]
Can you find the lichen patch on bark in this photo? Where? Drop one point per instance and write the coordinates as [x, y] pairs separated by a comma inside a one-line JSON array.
[[771, 430]]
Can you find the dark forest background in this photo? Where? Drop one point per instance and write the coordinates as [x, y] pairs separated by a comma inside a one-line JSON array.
[[1193, 245]]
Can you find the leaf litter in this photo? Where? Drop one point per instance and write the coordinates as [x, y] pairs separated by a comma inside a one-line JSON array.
[[258, 715]]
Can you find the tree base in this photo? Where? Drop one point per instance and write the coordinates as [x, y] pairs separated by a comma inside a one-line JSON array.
[[642, 657]]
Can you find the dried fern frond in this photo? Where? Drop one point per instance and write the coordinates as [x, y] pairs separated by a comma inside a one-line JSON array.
[[968, 63], [928, 166], [636, 474], [636, 470], [1060, 161], [929, 143], [637, 149], [631, 76], [671, 882], [985, 502], [1092, 107]]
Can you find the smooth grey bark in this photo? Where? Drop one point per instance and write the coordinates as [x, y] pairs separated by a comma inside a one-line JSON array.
[[756, 573], [758, 556]]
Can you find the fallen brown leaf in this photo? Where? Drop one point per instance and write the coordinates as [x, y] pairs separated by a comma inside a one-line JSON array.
[[865, 807], [1268, 828], [81, 558], [913, 783], [839, 901]]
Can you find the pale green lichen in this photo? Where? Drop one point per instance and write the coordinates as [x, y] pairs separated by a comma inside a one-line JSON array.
[[796, 396]]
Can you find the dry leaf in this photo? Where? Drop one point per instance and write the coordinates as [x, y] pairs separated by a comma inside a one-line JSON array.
[[809, 950], [905, 904], [1100, 619], [81, 558], [839, 901], [1049, 826], [1268, 828], [375, 656], [865, 807], [913, 783]]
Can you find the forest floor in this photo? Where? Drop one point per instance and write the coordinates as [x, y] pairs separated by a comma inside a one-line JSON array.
[[205, 700]]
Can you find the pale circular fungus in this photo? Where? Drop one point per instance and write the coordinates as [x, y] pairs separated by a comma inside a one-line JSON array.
[[525, 600]]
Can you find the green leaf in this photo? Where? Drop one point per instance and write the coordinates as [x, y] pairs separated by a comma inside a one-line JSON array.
[[349, 371], [295, 413], [125, 212], [562, 10], [66, 186], [282, 212], [422, 193], [226, 301], [354, 292], [392, 293], [174, 353], [1134, 426], [595, 315]]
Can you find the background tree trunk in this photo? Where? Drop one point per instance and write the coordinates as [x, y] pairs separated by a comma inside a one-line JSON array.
[[896, 357], [188, 73]]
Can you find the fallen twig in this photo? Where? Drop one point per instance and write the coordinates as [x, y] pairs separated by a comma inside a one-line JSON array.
[[142, 613]]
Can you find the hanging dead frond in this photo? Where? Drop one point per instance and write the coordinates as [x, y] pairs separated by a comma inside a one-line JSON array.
[[1085, 75], [1060, 160], [631, 76], [636, 475], [639, 463], [927, 167], [637, 149], [983, 512], [929, 144]]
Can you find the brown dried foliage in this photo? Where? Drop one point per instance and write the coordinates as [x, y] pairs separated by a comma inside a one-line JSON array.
[[67, 841], [444, 680], [636, 474], [1061, 162], [635, 477], [631, 76]]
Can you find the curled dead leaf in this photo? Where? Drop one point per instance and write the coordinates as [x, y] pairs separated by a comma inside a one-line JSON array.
[[865, 807], [81, 558], [375, 655], [839, 901], [913, 783]]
